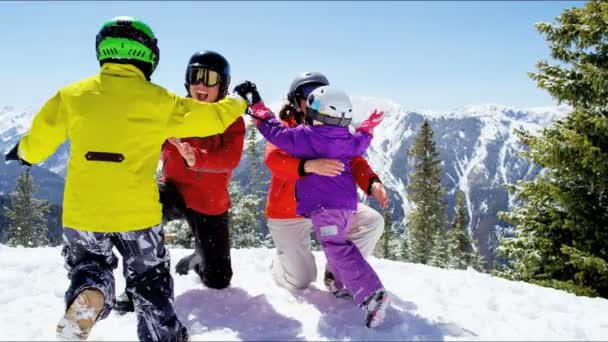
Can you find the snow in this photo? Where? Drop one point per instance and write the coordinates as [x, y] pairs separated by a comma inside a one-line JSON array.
[[428, 304]]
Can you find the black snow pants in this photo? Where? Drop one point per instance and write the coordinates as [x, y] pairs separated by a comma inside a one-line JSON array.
[[212, 243]]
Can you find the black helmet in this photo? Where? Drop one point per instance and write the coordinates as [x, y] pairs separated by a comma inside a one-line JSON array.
[[213, 61], [305, 78]]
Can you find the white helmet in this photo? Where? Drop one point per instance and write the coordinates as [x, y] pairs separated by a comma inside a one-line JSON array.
[[330, 106]]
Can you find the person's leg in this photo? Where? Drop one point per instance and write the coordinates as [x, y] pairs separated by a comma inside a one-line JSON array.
[[89, 261], [150, 284], [366, 229], [213, 244], [187, 263], [123, 302], [343, 257], [294, 264]]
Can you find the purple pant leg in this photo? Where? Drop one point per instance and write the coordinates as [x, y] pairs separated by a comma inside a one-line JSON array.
[[343, 257]]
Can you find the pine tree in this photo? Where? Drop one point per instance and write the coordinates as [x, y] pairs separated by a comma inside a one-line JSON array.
[[27, 222], [561, 239], [439, 255], [180, 233], [426, 192], [405, 253], [248, 209], [477, 261], [243, 218], [387, 246], [459, 242]]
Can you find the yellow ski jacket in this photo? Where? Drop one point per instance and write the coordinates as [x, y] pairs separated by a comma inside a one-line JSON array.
[[116, 122]]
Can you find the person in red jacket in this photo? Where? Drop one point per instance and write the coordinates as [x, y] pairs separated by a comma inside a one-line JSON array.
[[199, 169], [294, 264]]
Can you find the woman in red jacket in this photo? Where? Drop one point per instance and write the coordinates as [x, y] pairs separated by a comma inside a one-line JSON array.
[[294, 264], [200, 170]]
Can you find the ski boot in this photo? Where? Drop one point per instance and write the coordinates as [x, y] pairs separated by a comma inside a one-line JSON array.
[[375, 307], [79, 318], [335, 287], [123, 304], [187, 263]]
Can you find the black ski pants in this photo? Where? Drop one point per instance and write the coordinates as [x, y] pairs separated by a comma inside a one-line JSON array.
[[212, 242]]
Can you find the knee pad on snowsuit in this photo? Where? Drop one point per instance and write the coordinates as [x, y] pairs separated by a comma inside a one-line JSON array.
[[215, 278]]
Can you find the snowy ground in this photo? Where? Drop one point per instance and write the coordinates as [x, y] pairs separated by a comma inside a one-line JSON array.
[[428, 304]]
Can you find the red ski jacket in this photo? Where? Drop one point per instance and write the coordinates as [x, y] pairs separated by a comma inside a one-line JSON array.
[[204, 186]]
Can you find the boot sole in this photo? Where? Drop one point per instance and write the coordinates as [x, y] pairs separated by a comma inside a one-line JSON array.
[[80, 317]]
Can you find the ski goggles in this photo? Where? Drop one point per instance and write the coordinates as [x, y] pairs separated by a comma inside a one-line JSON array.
[[307, 89], [205, 76]]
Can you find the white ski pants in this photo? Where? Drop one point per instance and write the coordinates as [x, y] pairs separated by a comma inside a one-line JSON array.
[[294, 264]]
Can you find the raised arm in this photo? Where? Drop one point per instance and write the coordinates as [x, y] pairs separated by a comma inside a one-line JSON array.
[[292, 140], [191, 118], [49, 130]]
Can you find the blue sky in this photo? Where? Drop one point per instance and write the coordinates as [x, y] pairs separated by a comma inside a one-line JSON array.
[[434, 55]]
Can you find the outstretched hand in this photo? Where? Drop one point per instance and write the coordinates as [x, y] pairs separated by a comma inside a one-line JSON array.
[[374, 119], [186, 151], [379, 193], [260, 112], [248, 90], [14, 155]]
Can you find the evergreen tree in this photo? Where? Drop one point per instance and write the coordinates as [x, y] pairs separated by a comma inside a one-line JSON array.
[[439, 255], [428, 217], [27, 222], [387, 245], [243, 218], [477, 261], [459, 243], [561, 236], [178, 233], [405, 253], [249, 207]]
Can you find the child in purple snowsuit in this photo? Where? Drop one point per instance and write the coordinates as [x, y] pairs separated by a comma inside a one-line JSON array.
[[330, 202]]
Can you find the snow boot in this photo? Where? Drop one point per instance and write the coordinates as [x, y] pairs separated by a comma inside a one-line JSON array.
[[80, 317], [187, 263], [124, 304], [375, 307], [330, 282]]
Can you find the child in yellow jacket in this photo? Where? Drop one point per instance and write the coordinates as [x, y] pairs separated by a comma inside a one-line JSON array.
[[117, 121]]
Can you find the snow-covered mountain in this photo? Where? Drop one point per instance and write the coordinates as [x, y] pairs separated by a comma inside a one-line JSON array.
[[476, 144], [429, 304]]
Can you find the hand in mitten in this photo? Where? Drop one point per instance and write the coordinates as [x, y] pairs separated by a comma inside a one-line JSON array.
[[14, 155], [248, 91], [261, 112], [374, 119]]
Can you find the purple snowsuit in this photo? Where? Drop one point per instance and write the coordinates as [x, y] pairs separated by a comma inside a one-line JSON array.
[[329, 201]]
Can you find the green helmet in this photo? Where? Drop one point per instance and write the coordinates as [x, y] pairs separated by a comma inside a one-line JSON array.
[[129, 41]]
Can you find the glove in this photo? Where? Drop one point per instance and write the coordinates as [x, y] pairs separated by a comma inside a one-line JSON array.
[[367, 126], [261, 112], [13, 155], [248, 88], [174, 207]]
